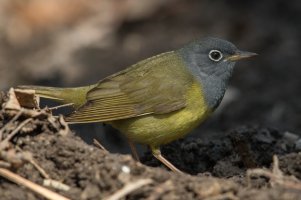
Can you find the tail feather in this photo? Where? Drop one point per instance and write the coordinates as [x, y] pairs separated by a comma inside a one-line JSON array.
[[76, 95]]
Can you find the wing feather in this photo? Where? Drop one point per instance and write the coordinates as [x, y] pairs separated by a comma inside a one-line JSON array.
[[154, 86]]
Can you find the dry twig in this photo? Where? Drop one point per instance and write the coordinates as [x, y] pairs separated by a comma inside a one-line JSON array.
[[4, 164], [161, 189], [96, 143], [4, 143], [130, 187], [276, 176], [56, 184], [10, 157], [63, 131], [30, 185], [27, 156], [61, 106], [10, 122], [47, 181], [39, 168]]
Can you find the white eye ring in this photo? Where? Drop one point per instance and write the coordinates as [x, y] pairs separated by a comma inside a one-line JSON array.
[[215, 55]]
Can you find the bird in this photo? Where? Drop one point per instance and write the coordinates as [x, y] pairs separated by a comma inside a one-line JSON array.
[[159, 99]]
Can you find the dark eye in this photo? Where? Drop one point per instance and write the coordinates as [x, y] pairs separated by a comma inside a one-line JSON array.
[[215, 55]]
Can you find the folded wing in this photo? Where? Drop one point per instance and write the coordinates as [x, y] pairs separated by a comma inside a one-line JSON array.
[[154, 86]]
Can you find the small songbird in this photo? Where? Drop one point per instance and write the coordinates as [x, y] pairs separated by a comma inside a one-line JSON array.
[[159, 99]]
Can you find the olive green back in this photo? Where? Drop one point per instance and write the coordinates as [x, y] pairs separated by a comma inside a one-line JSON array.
[[156, 85]]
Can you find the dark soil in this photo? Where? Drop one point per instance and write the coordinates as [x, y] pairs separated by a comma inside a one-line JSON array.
[[218, 166], [240, 149]]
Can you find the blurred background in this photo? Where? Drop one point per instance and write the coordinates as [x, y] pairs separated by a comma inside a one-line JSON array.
[[77, 42]]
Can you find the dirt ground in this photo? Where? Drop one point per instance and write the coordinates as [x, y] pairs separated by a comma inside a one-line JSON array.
[[38, 146], [259, 117]]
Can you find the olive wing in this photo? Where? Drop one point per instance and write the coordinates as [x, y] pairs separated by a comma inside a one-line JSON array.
[[154, 86]]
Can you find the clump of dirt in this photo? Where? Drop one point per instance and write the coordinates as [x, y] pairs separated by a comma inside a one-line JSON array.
[[229, 155], [219, 166], [291, 164]]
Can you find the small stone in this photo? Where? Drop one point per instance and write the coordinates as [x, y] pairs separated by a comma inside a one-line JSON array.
[[125, 169]]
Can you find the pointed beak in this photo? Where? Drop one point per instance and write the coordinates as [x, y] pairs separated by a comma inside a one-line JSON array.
[[239, 55]]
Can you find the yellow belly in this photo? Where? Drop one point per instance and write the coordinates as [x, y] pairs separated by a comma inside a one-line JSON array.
[[155, 130]]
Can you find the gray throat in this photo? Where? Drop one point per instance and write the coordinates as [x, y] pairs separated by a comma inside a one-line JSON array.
[[214, 85], [214, 89]]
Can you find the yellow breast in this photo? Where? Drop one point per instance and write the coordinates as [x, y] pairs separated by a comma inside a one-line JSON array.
[[156, 130]]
